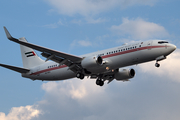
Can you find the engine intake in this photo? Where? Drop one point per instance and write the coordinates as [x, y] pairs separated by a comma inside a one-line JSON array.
[[124, 74], [91, 62], [99, 60]]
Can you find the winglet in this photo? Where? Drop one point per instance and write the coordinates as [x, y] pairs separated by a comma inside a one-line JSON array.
[[8, 34]]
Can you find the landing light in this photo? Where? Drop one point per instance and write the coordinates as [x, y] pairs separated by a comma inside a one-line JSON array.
[[107, 68]]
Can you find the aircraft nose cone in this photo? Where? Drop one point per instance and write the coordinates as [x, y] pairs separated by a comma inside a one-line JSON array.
[[169, 49], [173, 47]]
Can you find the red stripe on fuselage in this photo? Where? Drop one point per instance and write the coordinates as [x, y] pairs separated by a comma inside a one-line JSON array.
[[105, 56], [49, 69]]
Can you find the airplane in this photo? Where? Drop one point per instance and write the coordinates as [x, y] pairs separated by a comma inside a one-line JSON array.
[[105, 65]]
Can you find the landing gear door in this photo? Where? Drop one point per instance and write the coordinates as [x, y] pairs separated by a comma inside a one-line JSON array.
[[149, 45]]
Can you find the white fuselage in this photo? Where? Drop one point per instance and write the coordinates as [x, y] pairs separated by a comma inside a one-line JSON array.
[[114, 58]]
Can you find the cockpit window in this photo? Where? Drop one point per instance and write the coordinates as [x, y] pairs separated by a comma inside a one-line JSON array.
[[161, 42]]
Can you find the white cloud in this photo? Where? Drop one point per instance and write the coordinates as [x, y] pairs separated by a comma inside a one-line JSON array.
[[70, 99], [80, 43], [83, 7], [169, 67], [21, 113], [77, 21], [76, 99], [83, 43], [75, 88], [140, 29], [89, 20], [92, 7], [95, 21], [54, 25]]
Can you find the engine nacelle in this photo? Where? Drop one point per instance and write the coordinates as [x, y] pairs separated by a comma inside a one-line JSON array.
[[91, 62], [124, 74]]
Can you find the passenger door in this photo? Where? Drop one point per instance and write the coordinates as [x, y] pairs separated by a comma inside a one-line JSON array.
[[149, 45]]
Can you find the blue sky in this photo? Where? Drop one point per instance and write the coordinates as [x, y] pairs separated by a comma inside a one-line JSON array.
[[83, 26]]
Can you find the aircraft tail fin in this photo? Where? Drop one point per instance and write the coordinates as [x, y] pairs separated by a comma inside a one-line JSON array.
[[29, 57]]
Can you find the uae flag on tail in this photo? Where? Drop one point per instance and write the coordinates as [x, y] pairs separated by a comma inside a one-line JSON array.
[[29, 54]]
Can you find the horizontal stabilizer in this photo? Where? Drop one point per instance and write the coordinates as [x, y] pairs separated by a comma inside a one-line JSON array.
[[17, 69]]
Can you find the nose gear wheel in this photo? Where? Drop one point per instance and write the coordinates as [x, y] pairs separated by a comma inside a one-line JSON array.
[[157, 64]]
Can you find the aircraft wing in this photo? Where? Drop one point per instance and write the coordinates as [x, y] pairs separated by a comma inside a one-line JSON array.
[[48, 53], [17, 69]]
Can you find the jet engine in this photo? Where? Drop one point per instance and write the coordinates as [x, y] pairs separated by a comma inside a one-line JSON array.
[[91, 62], [124, 74]]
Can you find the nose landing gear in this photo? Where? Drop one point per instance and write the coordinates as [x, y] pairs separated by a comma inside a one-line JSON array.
[[157, 64], [159, 59]]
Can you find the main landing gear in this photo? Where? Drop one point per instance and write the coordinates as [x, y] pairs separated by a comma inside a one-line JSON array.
[[80, 75], [99, 82]]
